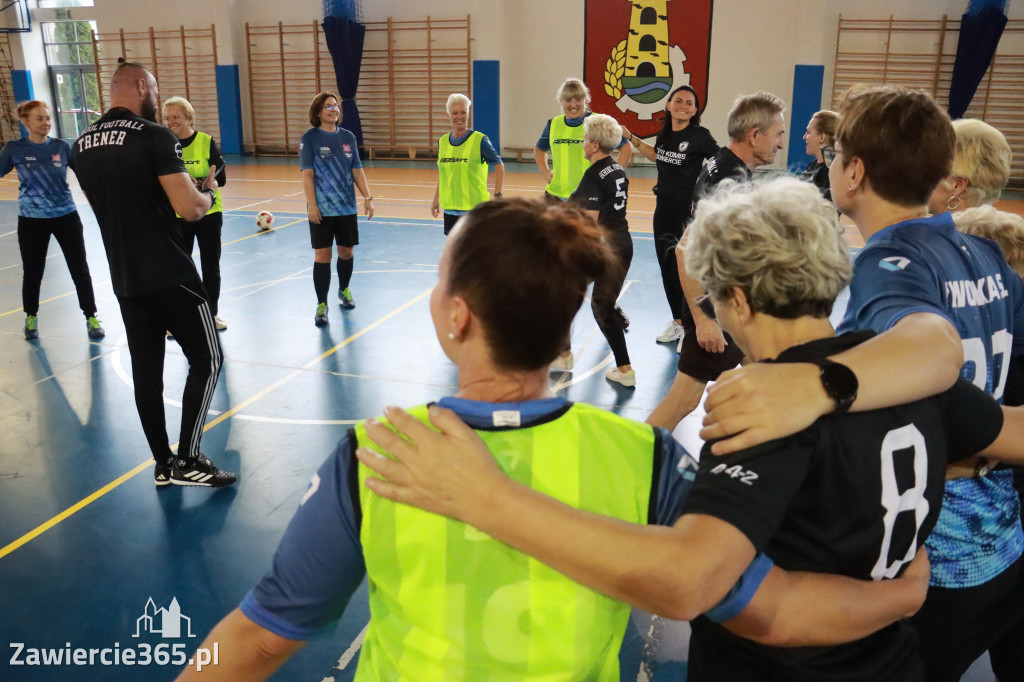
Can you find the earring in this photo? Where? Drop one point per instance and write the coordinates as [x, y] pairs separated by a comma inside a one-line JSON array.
[[451, 336], [950, 205]]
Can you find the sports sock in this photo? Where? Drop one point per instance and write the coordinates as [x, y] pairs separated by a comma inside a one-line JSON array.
[[345, 272], [321, 281]]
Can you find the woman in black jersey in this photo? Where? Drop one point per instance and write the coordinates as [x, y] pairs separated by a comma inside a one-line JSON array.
[[821, 132], [680, 150], [602, 193]]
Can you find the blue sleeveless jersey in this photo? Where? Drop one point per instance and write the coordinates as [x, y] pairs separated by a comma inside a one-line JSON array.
[[926, 265]]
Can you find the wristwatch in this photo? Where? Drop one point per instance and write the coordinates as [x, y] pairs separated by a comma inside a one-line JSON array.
[[212, 192], [497, 195], [840, 384]]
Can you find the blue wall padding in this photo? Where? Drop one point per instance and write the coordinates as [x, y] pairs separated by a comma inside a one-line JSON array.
[[487, 100], [807, 87], [229, 101]]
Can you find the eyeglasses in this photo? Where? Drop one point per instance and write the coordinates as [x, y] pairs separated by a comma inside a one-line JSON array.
[[828, 154], [332, 107], [706, 306]]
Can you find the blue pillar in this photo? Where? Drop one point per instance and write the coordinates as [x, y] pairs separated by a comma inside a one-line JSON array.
[[229, 102], [487, 100], [807, 87], [23, 91]]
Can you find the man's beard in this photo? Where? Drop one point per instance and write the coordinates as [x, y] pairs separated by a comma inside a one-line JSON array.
[[148, 111]]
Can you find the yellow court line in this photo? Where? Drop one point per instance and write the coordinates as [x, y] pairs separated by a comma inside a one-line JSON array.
[[81, 504]]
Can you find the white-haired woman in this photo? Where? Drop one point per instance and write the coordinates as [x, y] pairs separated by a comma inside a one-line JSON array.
[[463, 157], [202, 159], [602, 193], [981, 168]]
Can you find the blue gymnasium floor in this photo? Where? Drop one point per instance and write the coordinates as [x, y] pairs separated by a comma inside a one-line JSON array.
[[86, 539]]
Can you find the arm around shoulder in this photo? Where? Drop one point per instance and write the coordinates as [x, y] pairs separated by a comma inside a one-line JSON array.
[[246, 651]]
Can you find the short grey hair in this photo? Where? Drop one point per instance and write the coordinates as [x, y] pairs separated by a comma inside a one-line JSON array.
[[184, 106], [604, 130], [753, 111], [778, 241], [457, 97]]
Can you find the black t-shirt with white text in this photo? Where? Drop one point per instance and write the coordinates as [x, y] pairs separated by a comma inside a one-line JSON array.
[[680, 156], [604, 188], [854, 495], [722, 166], [119, 161]]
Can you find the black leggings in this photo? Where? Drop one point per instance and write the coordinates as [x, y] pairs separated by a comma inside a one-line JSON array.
[[207, 231], [670, 217], [34, 240], [184, 311], [956, 626], [606, 291]]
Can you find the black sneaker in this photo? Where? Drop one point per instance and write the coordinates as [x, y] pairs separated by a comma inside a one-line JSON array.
[[162, 473], [623, 320], [201, 472]]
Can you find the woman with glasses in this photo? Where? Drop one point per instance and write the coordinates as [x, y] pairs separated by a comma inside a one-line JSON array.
[[202, 159], [331, 170], [680, 150], [820, 133]]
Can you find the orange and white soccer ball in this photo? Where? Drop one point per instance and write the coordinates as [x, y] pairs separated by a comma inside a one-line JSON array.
[[264, 220]]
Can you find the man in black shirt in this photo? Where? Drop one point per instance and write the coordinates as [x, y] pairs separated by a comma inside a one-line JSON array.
[[756, 130], [131, 171]]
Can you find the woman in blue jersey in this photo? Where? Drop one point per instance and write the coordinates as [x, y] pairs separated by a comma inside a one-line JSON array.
[[202, 159], [680, 150], [331, 172], [447, 603], [462, 161], [45, 208]]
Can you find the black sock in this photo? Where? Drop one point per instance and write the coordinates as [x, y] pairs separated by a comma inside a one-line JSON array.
[[321, 281], [345, 272]]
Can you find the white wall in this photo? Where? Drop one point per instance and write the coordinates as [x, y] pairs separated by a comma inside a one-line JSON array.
[[754, 44]]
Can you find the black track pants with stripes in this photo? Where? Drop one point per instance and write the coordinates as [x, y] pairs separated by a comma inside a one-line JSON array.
[[184, 311]]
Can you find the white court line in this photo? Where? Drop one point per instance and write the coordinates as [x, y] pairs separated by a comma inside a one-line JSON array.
[[350, 652]]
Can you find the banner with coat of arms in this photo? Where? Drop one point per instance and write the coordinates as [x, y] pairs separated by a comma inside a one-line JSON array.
[[638, 51]]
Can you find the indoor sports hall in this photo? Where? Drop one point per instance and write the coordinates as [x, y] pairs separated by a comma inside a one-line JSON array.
[[92, 556]]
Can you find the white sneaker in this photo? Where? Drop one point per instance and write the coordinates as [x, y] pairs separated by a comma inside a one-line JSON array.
[[672, 333], [220, 324], [563, 363], [624, 378]]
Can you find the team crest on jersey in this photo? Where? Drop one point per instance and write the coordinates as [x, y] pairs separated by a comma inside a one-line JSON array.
[[894, 263], [57, 162], [637, 51], [683, 146]]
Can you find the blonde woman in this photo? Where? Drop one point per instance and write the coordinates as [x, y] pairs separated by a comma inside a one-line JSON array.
[[202, 159]]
